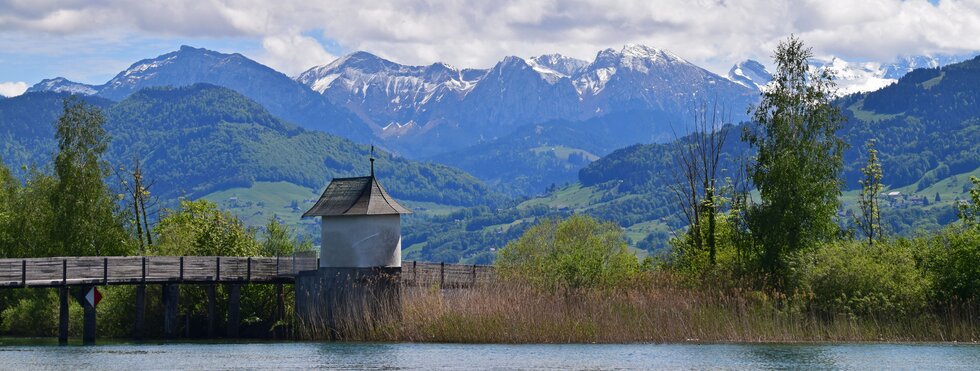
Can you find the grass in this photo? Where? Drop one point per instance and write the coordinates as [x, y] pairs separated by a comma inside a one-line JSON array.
[[655, 309], [869, 116], [255, 205], [562, 152], [287, 201]]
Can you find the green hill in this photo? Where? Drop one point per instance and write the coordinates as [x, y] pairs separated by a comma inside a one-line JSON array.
[[200, 139]]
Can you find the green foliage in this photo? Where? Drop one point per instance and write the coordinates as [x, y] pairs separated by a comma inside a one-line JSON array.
[[199, 228], [952, 261], [969, 212], [575, 253], [86, 219], [202, 138], [30, 313], [280, 240], [798, 160], [854, 278]]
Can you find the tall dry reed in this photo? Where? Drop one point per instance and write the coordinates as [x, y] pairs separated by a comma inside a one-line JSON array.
[[656, 309]]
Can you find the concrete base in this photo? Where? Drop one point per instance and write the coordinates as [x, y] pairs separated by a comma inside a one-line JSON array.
[[333, 303]]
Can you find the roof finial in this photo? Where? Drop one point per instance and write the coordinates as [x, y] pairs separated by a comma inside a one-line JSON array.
[[372, 161]]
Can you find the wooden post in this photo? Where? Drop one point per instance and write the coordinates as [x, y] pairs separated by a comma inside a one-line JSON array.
[[140, 321], [280, 311], [64, 272], [248, 270], [234, 308], [181, 269], [473, 278], [105, 271], [209, 290], [23, 273], [217, 269], [171, 298], [88, 322], [442, 275], [143, 279], [415, 272], [63, 316]]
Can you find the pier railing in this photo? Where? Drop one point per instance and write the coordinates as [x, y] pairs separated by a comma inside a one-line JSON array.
[[116, 270]]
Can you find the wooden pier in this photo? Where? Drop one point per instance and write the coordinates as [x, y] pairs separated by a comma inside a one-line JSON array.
[[172, 271]]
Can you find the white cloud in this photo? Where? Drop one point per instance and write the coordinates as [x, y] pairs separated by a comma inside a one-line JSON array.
[[479, 33], [293, 54], [12, 88]]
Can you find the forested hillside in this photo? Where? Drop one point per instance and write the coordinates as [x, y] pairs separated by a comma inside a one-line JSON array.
[[198, 139]]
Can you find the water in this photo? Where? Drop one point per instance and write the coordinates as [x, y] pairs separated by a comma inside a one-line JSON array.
[[467, 357]]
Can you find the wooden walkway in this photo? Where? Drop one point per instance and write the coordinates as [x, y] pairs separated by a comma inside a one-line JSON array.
[[72, 271]]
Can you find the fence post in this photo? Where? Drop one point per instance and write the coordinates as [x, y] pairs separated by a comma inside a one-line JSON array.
[[442, 274], [105, 271], [277, 265], [217, 269], [248, 270], [415, 272], [143, 280], [181, 269], [64, 272], [23, 272], [473, 278]]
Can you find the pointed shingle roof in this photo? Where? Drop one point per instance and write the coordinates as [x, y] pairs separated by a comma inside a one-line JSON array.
[[355, 196]]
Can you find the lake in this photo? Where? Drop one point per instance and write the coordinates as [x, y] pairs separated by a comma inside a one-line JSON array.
[[24, 356]]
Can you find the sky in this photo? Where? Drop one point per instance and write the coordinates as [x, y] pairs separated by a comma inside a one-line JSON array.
[[90, 41]]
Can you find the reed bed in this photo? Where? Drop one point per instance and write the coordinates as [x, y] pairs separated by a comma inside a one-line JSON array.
[[658, 309]]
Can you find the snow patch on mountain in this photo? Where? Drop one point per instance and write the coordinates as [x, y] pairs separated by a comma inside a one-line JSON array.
[[63, 85], [750, 74]]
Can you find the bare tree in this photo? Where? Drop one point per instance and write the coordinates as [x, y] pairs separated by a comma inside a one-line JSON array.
[[696, 184], [139, 191], [870, 219]]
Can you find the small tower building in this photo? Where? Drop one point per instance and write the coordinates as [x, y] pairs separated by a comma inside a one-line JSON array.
[[359, 277], [360, 225]]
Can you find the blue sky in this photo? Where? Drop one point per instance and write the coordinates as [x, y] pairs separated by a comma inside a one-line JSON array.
[[91, 40]]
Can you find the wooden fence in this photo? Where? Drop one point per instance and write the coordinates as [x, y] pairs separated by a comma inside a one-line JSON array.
[[67, 271]]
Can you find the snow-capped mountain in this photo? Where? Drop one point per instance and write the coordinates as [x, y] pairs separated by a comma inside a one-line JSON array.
[[386, 94], [904, 65], [557, 64], [750, 74], [639, 77], [280, 94], [406, 103], [63, 85], [851, 77]]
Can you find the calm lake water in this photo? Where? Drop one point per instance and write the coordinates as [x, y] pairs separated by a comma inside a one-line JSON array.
[[467, 357]]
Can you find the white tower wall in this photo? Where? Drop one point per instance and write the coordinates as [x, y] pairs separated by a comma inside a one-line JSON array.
[[362, 241]]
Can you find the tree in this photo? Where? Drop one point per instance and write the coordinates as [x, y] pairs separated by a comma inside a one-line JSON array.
[[575, 253], [870, 219], [279, 240], [86, 219], [798, 160], [199, 228], [9, 189], [969, 212], [696, 185]]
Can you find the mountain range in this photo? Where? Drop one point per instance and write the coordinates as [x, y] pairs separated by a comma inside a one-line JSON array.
[[851, 77], [202, 138], [208, 123], [427, 110]]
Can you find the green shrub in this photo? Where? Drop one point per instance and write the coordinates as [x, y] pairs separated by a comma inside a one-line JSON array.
[[854, 278], [578, 252], [951, 259]]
